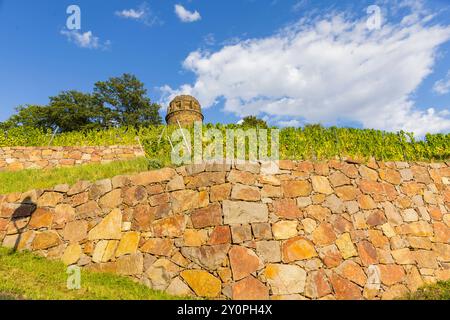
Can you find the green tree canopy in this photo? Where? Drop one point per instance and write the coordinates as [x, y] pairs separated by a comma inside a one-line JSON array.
[[75, 110], [127, 98], [68, 111], [29, 116], [120, 101], [252, 121]]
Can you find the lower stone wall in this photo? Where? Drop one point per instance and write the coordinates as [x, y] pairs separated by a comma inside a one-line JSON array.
[[18, 158], [328, 230]]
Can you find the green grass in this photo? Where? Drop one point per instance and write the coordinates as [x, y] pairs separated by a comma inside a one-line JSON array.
[[25, 180], [27, 276], [436, 291]]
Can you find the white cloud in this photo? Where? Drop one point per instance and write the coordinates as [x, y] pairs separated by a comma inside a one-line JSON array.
[[186, 15], [442, 86], [131, 14], [142, 14], [297, 6], [329, 70], [85, 40], [289, 123], [209, 39]]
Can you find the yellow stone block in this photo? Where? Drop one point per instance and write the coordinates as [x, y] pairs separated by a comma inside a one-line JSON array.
[[345, 245], [72, 254], [128, 244], [203, 283]]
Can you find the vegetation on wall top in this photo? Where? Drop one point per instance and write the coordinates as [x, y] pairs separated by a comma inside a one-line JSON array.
[[312, 142]]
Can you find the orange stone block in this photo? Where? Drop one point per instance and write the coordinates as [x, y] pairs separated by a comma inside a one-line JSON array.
[[298, 248]]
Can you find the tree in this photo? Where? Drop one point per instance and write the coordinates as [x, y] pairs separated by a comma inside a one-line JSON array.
[[127, 98], [252, 121], [30, 116], [68, 111], [73, 110], [119, 101], [5, 125]]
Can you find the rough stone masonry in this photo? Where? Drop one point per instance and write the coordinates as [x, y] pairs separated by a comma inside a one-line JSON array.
[[324, 230], [19, 158]]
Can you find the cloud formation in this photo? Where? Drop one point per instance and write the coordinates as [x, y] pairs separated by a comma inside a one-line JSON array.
[[142, 14], [442, 86], [185, 15], [85, 40], [326, 70], [130, 14]]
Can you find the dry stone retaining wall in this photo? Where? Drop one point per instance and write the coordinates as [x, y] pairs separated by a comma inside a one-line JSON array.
[[18, 158], [328, 230]]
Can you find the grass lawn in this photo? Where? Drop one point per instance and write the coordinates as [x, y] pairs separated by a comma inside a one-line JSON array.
[[27, 276], [24, 180]]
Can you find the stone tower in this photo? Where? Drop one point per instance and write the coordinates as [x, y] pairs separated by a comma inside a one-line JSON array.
[[185, 109]]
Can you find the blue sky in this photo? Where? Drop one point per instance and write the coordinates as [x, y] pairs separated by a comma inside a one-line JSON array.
[[288, 61]]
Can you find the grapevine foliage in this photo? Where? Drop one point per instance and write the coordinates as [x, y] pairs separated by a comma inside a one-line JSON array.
[[312, 142]]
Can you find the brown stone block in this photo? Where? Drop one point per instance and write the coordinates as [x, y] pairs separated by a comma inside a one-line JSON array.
[[318, 212], [41, 218], [262, 231], [184, 200], [324, 235], [134, 195], [207, 217], [75, 231], [209, 257], [220, 235], [156, 176], [353, 272], [305, 166], [143, 217], [79, 199], [250, 289], [317, 285], [111, 200], [349, 170], [245, 193], [345, 289], [45, 240], [347, 193], [330, 256], [159, 247], [171, 227], [421, 174], [367, 253], [243, 262], [220, 192], [241, 234], [159, 199], [88, 210], [391, 274], [287, 208], [205, 179], [294, 189], [441, 232], [376, 218], [243, 177]]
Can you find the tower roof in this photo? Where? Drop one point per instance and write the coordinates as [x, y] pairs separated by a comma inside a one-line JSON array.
[[184, 109], [184, 102]]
